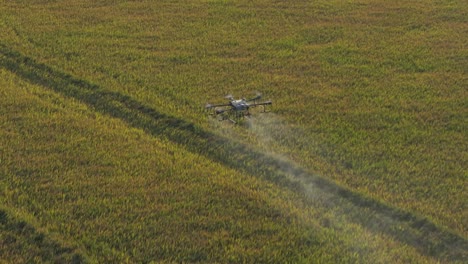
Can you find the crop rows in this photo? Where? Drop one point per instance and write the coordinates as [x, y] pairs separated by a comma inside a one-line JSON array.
[[367, 131], [404, 226]]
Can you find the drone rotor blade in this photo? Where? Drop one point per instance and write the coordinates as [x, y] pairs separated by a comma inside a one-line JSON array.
[[265, 103], [222, 111], [229, 97], [257, 96]]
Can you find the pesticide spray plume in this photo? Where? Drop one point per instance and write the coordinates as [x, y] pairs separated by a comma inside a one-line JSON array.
[[279, 142], [276, 137]]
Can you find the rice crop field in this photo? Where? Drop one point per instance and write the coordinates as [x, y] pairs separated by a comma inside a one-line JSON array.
[[107, 154]]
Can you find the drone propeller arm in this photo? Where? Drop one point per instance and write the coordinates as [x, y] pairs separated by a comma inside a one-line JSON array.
[[209, 106], [261, 103]]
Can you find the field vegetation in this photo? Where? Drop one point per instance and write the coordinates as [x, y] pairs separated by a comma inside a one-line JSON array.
[[108, 156]]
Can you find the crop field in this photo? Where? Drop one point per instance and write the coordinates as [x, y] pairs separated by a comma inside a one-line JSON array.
[[107, 154]]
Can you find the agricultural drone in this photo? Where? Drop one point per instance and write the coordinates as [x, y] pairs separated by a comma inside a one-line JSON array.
[[236, 108]]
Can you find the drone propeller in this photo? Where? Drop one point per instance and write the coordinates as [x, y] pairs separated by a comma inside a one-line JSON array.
[[220, 111], [257, 96], [229, 97]]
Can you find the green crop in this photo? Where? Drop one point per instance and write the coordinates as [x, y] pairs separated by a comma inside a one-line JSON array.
[[108, 156]]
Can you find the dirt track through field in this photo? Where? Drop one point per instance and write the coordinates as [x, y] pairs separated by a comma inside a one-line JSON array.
[[411, 229]]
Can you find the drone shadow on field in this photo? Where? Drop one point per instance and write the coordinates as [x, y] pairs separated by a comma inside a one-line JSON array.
[[419, 232]]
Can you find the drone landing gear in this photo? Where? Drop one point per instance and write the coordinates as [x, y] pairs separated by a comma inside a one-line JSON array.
[[234, 117], [265, 109]]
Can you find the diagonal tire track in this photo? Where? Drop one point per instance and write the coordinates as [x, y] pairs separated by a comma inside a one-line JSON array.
[[411, 229], [23, 238]]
